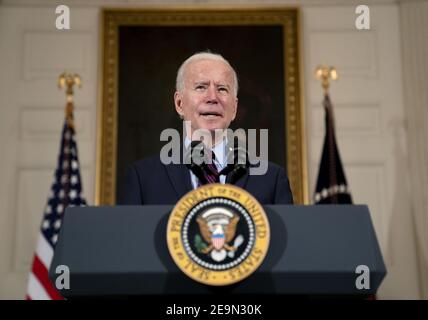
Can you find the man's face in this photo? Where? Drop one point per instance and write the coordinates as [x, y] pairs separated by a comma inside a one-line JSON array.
[[208, 100]]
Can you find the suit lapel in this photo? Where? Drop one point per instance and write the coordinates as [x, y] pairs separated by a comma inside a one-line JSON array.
[[179, 176], [242, 181]]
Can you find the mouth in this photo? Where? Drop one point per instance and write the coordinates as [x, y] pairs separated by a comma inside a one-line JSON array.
[[210, 114]]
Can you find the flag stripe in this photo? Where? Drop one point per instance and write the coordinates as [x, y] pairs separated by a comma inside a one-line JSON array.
[[35, 289], [45, 252], [40, 271]]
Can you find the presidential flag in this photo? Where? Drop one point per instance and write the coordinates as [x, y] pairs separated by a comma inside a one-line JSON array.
[[65, 191], [331, 184]]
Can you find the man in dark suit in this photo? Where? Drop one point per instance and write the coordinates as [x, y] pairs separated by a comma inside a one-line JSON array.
[[206, 98]]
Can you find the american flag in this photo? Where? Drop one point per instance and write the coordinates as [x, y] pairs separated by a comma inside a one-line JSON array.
[[65, 191]]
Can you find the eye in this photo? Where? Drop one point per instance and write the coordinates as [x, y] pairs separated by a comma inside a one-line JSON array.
[[200, 87], [223, 89]]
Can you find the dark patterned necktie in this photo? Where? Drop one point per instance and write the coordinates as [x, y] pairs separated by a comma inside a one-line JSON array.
[[211, 173]]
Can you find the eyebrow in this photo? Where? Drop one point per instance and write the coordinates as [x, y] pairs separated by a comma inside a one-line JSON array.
[[201, 82], [207, 83]]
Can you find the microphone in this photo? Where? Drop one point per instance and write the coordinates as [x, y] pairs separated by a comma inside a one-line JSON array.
[[237, 158], [240, 162], [196, 158]]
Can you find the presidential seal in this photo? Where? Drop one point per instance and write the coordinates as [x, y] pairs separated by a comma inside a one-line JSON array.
[[218, 234]]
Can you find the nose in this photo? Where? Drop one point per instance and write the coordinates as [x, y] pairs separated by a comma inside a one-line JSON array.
[[211, 95]]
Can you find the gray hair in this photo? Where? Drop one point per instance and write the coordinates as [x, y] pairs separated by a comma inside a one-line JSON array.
[[179, 85]]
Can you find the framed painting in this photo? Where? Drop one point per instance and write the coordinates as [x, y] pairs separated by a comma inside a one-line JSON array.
[[142, 51]]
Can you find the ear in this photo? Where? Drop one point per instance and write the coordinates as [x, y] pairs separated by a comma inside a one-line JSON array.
[[178, 102]]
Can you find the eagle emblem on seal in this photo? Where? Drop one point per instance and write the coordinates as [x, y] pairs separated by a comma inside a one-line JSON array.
[[217, 227]]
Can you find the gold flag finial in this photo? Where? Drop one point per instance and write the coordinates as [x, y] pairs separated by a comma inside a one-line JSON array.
[[68, 80], [325, 73]]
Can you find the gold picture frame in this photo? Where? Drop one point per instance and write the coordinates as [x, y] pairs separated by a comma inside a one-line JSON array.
[[113, 19]]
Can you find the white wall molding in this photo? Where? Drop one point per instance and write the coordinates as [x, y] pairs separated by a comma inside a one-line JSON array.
[[414, 35], [134, 3], [369, 117], [48, 53]]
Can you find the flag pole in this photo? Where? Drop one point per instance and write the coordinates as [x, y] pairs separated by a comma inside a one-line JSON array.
[[65, 191], [324, 74], [331, 184]]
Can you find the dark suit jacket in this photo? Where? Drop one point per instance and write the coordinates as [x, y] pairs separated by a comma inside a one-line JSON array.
[[149, 181]]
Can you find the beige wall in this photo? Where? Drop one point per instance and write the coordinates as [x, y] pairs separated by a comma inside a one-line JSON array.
[[370, 110]]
